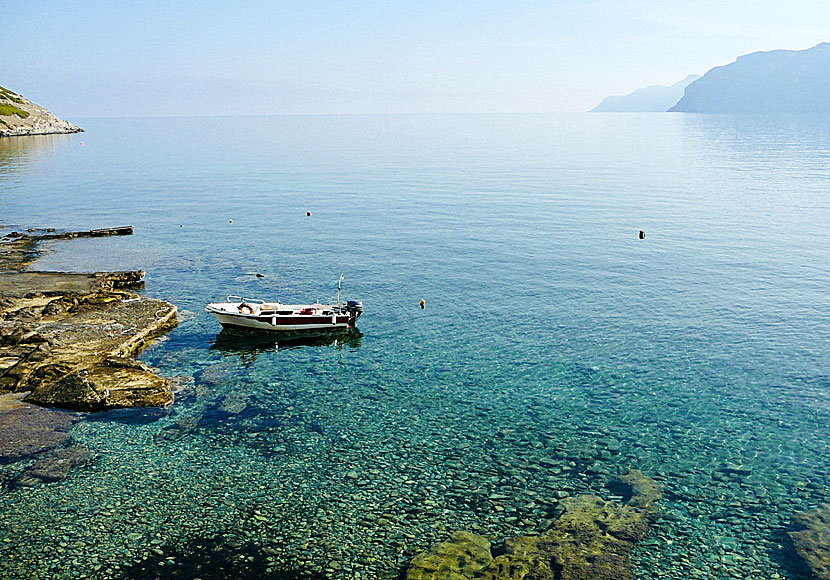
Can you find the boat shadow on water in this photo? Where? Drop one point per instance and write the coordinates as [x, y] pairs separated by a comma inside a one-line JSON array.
[[244, 342]]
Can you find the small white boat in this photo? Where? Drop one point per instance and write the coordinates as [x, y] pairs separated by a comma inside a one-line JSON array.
[[255, 314]]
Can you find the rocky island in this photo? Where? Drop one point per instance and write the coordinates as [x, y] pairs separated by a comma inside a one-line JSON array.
[[20, 116]]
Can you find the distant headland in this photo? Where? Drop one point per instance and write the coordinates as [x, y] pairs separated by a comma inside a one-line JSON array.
[[779, 81], [20, 116], [653, 99]]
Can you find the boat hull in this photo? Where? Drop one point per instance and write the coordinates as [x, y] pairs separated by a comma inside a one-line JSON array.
[[271, 323]]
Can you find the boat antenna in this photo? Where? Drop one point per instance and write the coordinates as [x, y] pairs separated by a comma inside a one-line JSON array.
[[338, 290]]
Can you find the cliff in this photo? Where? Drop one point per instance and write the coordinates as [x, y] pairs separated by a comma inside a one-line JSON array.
[[653, 99], [780, 81], [20, 116]]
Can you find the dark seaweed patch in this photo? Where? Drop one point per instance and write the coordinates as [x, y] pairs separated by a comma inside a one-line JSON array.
[[210, 558]]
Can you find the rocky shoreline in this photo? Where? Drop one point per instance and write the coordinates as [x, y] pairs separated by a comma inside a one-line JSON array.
[[67, 339], [19, 117]]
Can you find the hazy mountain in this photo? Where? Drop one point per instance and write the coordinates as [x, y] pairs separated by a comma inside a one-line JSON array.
[[653, 99], [780, 81], [20, 116]]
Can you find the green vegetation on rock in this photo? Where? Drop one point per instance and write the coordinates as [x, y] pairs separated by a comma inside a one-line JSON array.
[[812, 540], [591, 540], [9, 110], [10, 96], [459, 558], [19, 117]]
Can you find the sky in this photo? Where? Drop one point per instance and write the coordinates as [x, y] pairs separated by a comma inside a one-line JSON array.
[[186, 58]]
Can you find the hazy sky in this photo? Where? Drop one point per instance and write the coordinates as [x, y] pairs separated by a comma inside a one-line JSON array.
[[158, 58]]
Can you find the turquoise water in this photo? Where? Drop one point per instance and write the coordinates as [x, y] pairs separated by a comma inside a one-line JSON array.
[[555, 350]]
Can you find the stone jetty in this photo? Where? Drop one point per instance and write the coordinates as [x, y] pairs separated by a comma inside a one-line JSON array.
[[67, 339]]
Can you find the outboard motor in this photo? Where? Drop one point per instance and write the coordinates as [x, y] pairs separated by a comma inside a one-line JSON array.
[[355, 309]]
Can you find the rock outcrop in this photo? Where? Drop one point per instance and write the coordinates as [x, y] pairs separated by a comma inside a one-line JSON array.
[[591, 540], [780, 81], [69, 338], [20, 116], [812, 540]]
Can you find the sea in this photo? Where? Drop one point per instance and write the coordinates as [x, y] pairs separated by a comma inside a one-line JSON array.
[[556, 350]]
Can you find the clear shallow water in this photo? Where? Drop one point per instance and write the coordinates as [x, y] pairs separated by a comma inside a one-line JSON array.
[[556, 349]]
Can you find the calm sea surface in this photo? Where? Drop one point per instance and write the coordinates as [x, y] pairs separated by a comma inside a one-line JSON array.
[[556, 350]]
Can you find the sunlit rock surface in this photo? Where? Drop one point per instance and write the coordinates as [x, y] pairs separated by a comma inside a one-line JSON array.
[[68, 338]]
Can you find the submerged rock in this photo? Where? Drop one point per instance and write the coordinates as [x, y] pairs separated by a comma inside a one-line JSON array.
[[812, 541], [182, 427], [27, 430], [53, 466], [592, 540], [234, 402], [461, 557], [182, 385]]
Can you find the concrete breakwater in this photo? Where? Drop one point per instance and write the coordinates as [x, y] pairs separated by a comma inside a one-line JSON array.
[[67, 338]]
